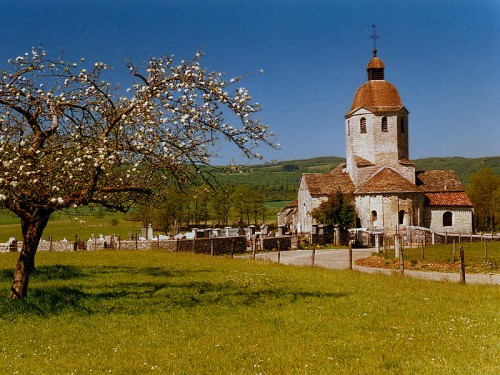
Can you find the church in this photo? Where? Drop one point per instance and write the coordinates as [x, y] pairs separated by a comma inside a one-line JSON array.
[[389, 193]]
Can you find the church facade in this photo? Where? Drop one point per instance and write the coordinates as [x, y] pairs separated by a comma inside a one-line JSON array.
[[389, 192]]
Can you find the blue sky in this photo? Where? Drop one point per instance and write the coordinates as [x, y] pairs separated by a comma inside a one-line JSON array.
[[443, 56]]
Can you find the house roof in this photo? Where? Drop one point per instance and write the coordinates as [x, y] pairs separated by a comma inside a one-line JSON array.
[[387, 181], [456, 198], [328, 183], [361, 162], [438, 181], [376, 96]]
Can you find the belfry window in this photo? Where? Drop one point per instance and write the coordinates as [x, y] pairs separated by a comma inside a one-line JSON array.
[[362, 125], [348, 127], [402, 125], [447, 219], [384, 124]]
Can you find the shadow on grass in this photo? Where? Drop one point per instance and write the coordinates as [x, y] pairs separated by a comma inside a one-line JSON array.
[[169, 291], [44, 273]]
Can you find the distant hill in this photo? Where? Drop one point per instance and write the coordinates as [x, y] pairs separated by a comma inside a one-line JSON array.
[[280, 180]]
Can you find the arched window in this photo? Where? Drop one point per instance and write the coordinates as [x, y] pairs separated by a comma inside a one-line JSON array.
[[401, 217], [384, 124], [402, 126], [362, 125], [374, 218], [348, 127], [447, 219]]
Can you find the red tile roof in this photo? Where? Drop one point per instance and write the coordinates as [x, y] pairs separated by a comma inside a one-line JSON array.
[[376, 96], [328, 183], [448, 199], [387, 181], [361, 162], [438, 181]]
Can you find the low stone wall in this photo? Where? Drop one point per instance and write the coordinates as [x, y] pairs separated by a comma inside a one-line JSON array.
[[271, 243], [215, 245]]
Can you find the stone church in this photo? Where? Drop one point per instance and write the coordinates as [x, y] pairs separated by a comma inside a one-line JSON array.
[[389, 193]]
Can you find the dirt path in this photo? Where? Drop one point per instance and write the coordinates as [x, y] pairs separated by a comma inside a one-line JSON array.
[[339, 259]]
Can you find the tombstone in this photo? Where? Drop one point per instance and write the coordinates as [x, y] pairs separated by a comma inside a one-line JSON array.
[[281, 230], [12, 245], [149, 234], [314, 234], [226, 231], [252, 230], [144, 232], [264, 230]]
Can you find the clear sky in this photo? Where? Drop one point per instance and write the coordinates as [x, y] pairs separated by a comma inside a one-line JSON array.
[[443, 57]]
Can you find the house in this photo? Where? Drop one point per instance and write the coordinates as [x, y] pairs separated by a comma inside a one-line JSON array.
[[389, 193]]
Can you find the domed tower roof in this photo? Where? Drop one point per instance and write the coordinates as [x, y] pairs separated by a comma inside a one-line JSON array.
[[376, 95]]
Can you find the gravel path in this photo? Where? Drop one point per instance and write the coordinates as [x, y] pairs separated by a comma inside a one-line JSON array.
[[339, 259]]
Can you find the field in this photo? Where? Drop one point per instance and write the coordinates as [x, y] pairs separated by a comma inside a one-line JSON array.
[[68, 225], [136, 312]]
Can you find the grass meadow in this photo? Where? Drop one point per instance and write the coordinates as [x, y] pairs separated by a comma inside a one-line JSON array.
[[150, 311]]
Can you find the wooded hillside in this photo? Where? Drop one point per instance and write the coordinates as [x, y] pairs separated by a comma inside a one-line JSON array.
[[280, 180]]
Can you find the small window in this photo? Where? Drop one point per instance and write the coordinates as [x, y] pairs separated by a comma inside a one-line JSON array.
[[374, 217], [403, 125], [384, 124], [402, 217], [362, 125], [447, 219], [348, 127]]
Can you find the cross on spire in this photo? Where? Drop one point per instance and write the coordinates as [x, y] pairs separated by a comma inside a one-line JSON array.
[[374, 36]]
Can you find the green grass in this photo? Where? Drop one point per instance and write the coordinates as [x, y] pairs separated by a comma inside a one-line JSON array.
[[136, 312], [81, 223]]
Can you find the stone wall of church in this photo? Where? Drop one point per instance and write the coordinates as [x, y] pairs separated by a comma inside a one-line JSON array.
[[461, 219], [306, 203], [385, 211]]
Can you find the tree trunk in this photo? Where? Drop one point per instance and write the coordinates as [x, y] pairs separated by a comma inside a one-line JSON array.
[[32, 228]]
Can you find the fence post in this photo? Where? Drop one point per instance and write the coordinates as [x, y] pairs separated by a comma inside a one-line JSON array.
[[350, 255], [454, 251], [279, 252], [485, 250], [177, 246], [232, 247], [423, 251], [119, 243], [462, 265], [212, 247], [313, 256], [254, 248], [50, 244], [194, 244], [402, 261], [136, 241], [158, 242]]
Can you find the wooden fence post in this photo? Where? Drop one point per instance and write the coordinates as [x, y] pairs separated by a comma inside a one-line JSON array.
[[177, 246], [485, 250], [119, 243], [212, 247], [279, 252], [350, 255], [313, 256], [462, 265], [423, 251], [136, 241], [402, 261], [254, 248], [454, 251], [232, 247], [193, 248]]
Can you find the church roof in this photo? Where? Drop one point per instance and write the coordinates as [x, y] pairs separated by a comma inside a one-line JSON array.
[[375, 63], [438, 181], [456, 198], [376, 96], [387, 181], [328, 183]]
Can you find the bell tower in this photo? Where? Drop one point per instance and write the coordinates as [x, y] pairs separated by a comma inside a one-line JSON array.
[[377, 128]]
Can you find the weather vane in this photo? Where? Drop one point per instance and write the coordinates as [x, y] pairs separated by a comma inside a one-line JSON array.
[[374, 36]]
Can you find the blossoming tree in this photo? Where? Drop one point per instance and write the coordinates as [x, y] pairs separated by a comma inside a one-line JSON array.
[[68, 138]]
